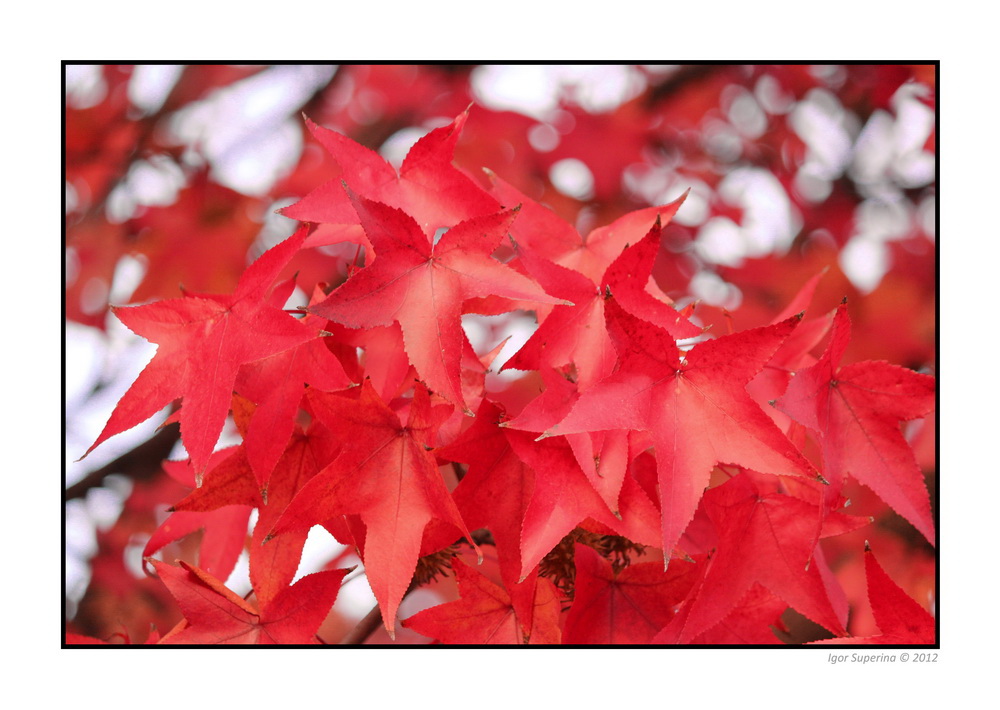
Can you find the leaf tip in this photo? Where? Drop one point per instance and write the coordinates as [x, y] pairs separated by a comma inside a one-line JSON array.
[[868, 548], [819, 477]]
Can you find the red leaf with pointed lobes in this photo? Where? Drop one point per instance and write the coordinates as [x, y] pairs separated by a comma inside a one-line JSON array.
[[629, 280], [577, 333], [576, 337], [224, 526], [227, 481], [552, 238], [766, 538], [603, 456], [696, 409], [385, 475], [629, 606], [224, 536], [272, 566], [607, 242], [856, 411], [793, 354], [422, 287], [276, 385], [484, 614], [428, 186], [496, 489], [532, 494], [571, 334], [215, 615], [382, 358], [563, 498], [750, 622], [900, 619], [202, 342], [540, 230]]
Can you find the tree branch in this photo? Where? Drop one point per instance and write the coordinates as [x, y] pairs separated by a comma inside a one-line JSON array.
[[365, 628], [140, 463]]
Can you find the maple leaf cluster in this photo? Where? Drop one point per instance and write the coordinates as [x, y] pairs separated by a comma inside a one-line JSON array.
[[638, 471]]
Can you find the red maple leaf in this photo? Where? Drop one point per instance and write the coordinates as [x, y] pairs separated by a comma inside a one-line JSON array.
[[215, 615], [856, 411], [574, 341], [422, 286], [224, 527], [900, 619], [203, 341], [531, 494], [485, 614], [695, 408], [232, 484], [629, 605], [428, 186], [603, 456], [562, 498], [576, 333], [276, 385], [771, 382], [767, 538], [750, 622], [496, 488], [552, 238], [384, 474]]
